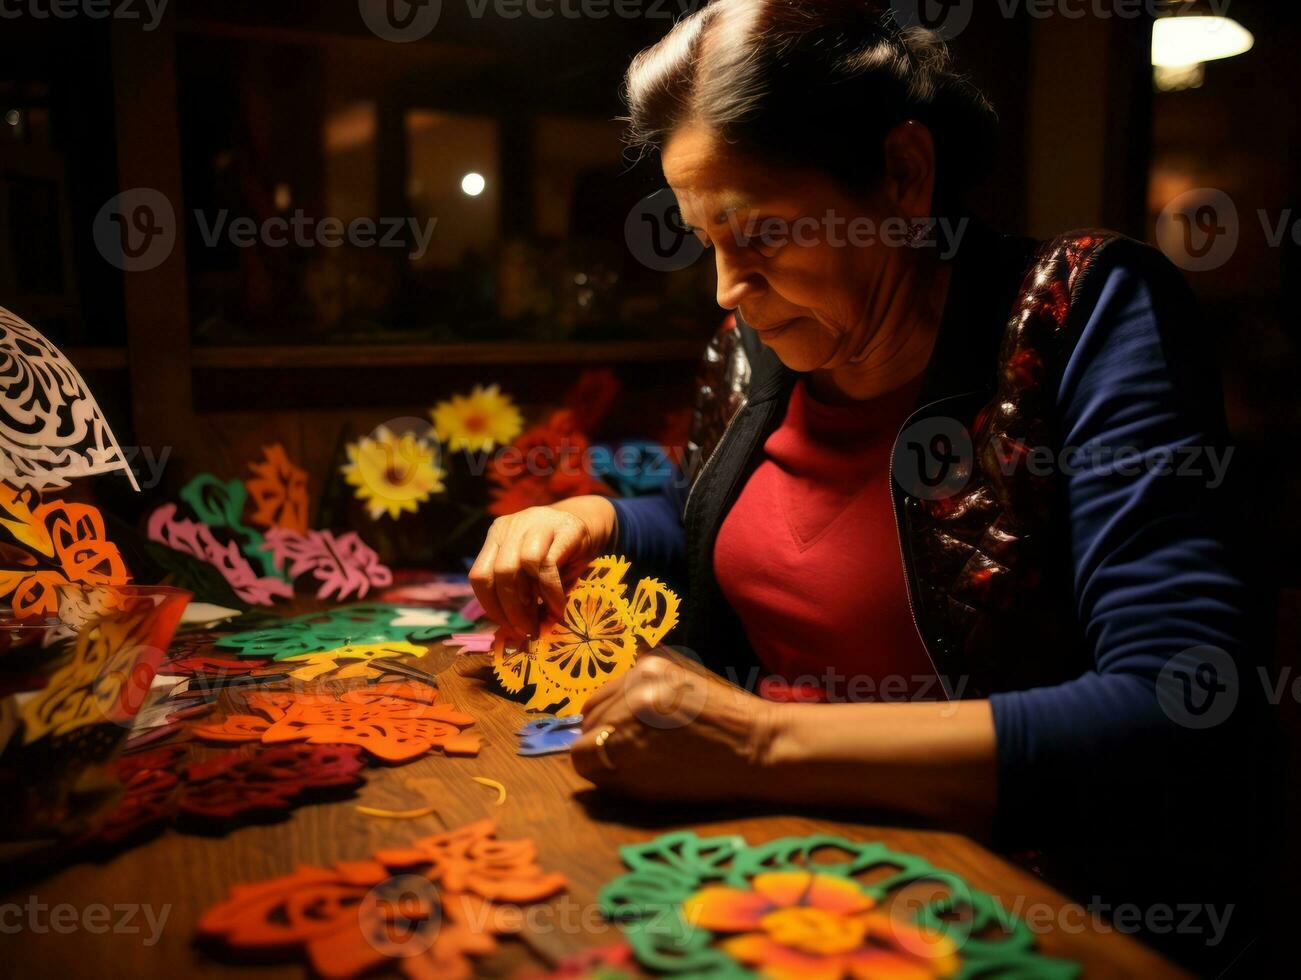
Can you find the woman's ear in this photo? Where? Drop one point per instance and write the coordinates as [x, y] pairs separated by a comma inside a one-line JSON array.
[[910, 168]]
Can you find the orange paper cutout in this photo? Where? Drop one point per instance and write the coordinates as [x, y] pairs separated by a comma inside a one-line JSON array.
[[69, 543], [393, 722], [278, 490], [425, 909]]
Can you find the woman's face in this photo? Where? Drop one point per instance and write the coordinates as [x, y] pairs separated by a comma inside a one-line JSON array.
[[815, 271]]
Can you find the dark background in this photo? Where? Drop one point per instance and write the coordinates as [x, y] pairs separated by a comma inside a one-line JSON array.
[[260, 109]]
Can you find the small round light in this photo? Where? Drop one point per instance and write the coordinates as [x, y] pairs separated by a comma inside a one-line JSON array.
[[13, 117], [473, 184]]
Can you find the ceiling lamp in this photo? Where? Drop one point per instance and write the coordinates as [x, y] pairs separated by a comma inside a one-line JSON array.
[[1181, 41]]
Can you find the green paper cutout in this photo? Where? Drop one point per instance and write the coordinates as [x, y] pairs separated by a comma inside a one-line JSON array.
[[221, 505], [364, 623], [667, 870], [186, 572]]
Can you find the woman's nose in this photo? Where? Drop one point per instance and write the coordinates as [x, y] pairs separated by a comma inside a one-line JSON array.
[[737, 279]]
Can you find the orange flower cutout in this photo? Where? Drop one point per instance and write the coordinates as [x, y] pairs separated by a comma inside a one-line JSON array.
[[65, 542], [799, 925], [278, 490], [393, 722], [429, 907]]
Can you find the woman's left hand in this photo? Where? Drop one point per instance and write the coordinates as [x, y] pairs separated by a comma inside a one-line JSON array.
[[674, 733]]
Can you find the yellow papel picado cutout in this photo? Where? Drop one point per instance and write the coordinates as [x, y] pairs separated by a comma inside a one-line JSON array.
[[595, 641]]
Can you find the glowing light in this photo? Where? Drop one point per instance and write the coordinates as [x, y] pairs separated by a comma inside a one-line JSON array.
[[1181, 41], [473, 184]]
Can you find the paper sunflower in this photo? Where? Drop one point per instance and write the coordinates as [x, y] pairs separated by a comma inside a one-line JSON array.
[[796, 925], [480, 421], [392, 473]]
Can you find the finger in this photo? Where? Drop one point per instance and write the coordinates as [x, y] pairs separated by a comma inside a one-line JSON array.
[[533, 553], [483, 579], [599, 700], [506, 573], [550, 581], [589, 762], [598, 712], [583, 755]]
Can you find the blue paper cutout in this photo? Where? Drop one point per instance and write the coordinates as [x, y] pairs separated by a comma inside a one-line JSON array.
[[548, 735]]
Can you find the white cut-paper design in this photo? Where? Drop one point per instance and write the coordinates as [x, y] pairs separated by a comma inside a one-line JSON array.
[[51, 427]]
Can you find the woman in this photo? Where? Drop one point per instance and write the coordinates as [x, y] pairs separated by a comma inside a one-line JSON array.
[[1007, 618]]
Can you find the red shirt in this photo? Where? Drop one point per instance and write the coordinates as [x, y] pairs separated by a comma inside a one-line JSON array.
[[809, 558]]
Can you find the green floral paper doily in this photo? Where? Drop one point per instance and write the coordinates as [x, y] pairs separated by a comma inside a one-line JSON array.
[[835, 912]]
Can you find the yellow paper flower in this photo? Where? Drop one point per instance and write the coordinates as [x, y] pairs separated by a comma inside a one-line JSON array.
[[482, 420], [391, 473], [800, 925]]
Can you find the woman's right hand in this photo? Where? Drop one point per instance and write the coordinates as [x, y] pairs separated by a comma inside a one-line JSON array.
[[528, 555]]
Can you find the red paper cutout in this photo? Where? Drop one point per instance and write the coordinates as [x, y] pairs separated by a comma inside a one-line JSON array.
[[271, 779], [590, 397], [158, 788], [359, 916], [278, 490], [201, 665], [344, 564], [563, 447]]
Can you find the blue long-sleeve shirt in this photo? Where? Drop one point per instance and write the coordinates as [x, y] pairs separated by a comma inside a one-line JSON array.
[[1152, 572]]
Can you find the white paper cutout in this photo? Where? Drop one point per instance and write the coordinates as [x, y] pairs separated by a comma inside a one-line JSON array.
[[51, 427]]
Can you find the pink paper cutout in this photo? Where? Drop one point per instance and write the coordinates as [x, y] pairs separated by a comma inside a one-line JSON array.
[[472, 610], [470, 642], [344, 564], [197, 540], [430, 593]]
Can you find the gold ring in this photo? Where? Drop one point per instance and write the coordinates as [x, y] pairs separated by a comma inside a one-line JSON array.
[[601, 737]]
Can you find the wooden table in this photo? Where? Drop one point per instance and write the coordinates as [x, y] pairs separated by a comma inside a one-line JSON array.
[[578, 832]]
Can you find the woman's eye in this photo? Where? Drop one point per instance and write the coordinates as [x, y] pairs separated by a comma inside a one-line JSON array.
[[765, 235]]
